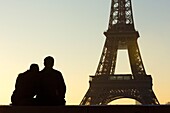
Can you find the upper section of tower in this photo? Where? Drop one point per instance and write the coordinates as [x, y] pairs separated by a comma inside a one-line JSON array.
[[121, 16]]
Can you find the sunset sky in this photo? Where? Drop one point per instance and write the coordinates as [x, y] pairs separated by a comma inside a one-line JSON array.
[[72, 32]]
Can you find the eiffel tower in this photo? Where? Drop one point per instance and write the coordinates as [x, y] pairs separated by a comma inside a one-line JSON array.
[[106, 86]]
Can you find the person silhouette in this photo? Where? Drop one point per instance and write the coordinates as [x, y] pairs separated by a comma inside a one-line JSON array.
[[26, 87], [52, 87]]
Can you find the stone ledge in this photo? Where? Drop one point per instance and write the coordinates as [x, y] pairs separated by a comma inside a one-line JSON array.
[[86, 109]]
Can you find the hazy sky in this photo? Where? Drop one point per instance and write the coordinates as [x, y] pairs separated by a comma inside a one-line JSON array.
[[72, 32]]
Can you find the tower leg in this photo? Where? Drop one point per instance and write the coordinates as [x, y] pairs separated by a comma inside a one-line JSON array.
[[135, 59], [108, 58]]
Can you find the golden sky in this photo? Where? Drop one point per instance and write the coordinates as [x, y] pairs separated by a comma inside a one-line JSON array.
[[72, 32]]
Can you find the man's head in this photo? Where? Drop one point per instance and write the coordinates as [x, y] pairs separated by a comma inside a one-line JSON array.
[[34, 67], [49, 62]]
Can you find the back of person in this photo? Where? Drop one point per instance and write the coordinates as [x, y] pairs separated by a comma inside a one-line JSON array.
[[51, 86], [25, 87]]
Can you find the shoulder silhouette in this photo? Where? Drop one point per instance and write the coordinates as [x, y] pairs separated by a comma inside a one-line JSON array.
[[25, 87], [52, 87]]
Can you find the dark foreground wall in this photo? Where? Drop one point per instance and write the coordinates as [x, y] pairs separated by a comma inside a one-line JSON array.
[[86, 109]]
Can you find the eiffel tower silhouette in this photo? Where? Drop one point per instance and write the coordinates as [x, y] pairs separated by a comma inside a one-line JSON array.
[[106, 86]]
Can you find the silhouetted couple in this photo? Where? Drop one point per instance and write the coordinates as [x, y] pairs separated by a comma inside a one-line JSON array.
[[41, 88]]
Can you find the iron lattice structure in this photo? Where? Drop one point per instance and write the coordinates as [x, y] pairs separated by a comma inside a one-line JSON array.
[[107, 86]]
